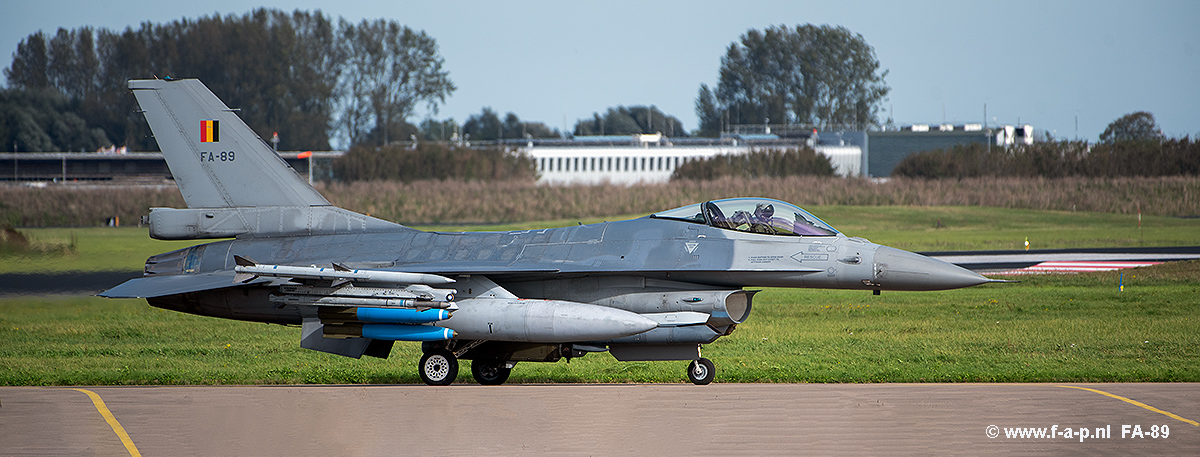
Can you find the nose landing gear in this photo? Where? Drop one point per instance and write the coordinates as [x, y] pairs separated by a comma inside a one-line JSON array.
[[701, 371]]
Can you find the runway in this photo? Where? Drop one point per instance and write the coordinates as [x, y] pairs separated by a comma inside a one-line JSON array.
[[993, 261], [626, 419]]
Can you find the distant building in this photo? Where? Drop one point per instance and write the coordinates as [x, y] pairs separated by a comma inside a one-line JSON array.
[[633, 159], [133, 167], [888, 148], [616, 159]]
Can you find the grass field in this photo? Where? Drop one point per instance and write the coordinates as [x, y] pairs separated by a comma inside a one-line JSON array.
[[1068, 328], [904, 227]]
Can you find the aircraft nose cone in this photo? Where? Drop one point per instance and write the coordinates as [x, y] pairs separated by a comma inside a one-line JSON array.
[[896, 269]]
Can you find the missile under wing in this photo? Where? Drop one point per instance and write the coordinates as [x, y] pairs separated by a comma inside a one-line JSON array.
[[652, 288]]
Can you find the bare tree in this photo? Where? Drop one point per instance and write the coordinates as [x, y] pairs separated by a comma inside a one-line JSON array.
[[390, 70]]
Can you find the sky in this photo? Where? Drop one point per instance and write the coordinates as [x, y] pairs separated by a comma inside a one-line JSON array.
[[1066, 67]]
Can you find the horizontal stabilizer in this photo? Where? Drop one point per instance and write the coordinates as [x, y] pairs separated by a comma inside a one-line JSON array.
[[161, 286], [260, 221]]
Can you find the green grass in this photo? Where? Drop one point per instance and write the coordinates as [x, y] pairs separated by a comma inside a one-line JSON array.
[[949, 228], [1062, 328], [904, 227], [96, 249]]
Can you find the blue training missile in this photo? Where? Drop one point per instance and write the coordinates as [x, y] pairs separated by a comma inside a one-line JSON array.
[[401, 315], [405, 332], [247, 270]]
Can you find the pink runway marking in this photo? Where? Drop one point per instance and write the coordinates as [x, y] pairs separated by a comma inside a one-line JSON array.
[[1079, 267]]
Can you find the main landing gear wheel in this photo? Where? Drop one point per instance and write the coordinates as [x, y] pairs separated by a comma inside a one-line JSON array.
[[490, 372], [438, 367], [701, 371]]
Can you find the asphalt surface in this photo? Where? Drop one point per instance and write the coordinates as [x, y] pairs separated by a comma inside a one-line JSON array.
[[66, 283], [634, 419], [1014, 259]]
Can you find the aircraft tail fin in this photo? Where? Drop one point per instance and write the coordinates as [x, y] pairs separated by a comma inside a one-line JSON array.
[[233, 183], [216, 159]]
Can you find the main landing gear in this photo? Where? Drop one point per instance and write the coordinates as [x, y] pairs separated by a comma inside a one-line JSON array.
[[490, 372], [438, 367]]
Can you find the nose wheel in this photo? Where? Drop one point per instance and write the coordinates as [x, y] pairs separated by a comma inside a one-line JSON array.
[[438, 367], [701, 371]]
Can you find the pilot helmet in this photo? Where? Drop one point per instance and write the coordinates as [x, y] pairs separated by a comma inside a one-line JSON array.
[[764, 210]]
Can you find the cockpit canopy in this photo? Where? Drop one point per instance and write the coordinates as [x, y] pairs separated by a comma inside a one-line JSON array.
[[755, 215]]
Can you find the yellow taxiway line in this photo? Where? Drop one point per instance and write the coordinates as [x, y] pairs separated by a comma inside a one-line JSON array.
[[112, 422], [1138, 403]]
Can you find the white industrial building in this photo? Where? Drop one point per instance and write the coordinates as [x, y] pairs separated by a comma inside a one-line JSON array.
[[653, 160]]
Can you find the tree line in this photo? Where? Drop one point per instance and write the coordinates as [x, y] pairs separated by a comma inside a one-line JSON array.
[[300, 74], [630, 120], [313, 79]]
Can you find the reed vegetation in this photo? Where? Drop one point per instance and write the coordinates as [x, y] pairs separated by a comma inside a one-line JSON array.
[[1173, 157], [463, 202], [430, 160], [759, 163]]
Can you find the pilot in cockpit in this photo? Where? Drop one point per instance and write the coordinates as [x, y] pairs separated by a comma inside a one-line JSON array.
[[763, 212]]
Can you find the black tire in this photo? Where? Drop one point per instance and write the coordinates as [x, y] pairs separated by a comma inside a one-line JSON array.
[[438, 367], [490, 372], [701, 371]]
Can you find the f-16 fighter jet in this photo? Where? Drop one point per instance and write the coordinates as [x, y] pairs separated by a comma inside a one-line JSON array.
[[652, 288]]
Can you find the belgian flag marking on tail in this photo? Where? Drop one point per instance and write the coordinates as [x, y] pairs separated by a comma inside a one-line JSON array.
[[210, 131]]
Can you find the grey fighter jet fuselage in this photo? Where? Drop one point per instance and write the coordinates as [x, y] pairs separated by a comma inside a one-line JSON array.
[[652, 288]]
